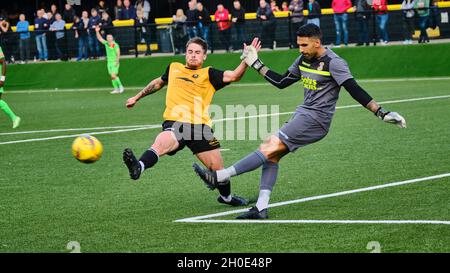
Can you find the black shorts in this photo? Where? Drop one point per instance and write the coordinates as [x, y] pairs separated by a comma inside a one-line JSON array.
[[198, 137]]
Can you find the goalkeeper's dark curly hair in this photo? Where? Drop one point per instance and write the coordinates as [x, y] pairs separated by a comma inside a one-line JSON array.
[[310, 30]]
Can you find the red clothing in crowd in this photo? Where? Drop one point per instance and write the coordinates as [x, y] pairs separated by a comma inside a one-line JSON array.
[[341, 6], [224, 22], [380, 6]]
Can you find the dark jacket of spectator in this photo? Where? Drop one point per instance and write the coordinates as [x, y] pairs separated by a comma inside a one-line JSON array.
[[68, 15], [239, 14], [192, 18], [94, 21], [128, 13], [296, 7], [315, 10], [205, 17], [267, 11], [40, 25], [80, 28]]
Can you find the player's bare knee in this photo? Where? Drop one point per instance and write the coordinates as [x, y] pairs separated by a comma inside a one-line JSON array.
[[113, 77]]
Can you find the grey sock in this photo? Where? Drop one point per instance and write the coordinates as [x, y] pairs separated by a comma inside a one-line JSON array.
[[268, 176], [250, 162]]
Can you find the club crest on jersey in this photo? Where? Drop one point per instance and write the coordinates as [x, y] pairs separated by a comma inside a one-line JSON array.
[[195, 76], [320, 67]]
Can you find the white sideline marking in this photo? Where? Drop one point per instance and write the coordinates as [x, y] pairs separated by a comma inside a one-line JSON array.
[[433, 222], [71, 129], [199, 219], [237, 85], [70, 136], [153, 126]]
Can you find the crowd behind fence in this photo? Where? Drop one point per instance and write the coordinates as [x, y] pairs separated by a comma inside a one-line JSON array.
[[140, 39]]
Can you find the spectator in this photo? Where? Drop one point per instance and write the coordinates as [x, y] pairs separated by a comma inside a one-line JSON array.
[[408, 20], [68, 13], [284, 6], [143, 5], [296, 9], [50, 37], [24, 38], [268, 24], [53, 10], [340, 8], [179, 31], [273, 6], [238, 19], [101, 8], [106, 24], [362, 15], [128, 11], [223, 25], [434, 14], [58, 27], [118, 9], [204, 22], [380, 7], [50, 18], [94, 45], [4, 39], [192, 15], [80, 26], [422, 7], [144, 30], [40, 28], [314, 13]]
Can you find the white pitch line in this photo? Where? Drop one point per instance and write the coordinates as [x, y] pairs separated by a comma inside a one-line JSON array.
[[70, 136], [237, 85], [72, 129], [302, 200], [432, 222], [218, 120]]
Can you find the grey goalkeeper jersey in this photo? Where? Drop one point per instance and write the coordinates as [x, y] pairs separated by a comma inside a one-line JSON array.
[[322, 79]]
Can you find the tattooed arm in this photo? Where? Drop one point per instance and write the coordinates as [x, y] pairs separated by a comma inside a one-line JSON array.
[[151, 88]]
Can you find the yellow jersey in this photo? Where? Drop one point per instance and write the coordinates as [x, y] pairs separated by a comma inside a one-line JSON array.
[[189, 93]]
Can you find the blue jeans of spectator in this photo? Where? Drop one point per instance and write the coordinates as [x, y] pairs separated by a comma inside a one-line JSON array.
[[363, 30], [82, 48], [382, 22], [94, 46], [240, 36], [204, 30], [192, 32], [41, 43], [423, 24], [315, 21], [340, 21]]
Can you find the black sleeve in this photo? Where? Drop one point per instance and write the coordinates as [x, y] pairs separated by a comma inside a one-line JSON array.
[[216, 79], [281, 81], [357, 92], [165, 76]]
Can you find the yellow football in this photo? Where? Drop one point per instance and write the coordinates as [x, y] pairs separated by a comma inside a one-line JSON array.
[[87, 149]]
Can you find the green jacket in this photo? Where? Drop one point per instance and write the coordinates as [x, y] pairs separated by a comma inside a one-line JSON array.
[[420, 4]]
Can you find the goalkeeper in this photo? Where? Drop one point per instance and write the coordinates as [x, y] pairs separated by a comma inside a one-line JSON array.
[[112, 56], [322, 73]]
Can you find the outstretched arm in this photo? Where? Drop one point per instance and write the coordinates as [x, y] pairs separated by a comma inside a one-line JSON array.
[[236, 74], [151, 88], [361, 96], [250, 56], [99, 37]]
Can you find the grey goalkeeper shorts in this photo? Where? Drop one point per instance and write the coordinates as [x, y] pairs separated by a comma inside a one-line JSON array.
[[300, 131]]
